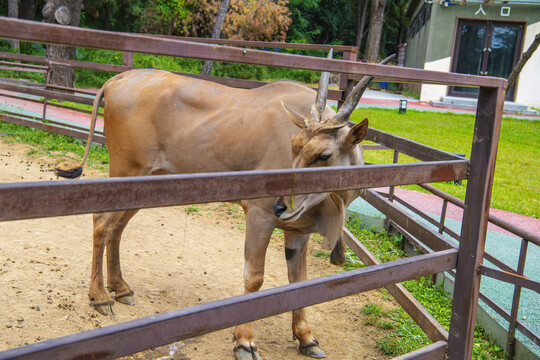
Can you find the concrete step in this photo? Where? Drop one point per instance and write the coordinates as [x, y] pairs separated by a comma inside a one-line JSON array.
[[470, 103]]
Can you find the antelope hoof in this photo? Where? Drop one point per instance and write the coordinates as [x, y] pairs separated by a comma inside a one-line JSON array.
[[312, 350], [240, 353], [104, 309], [127, 299]]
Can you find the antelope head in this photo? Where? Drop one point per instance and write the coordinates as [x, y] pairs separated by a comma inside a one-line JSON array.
[[325, 140]]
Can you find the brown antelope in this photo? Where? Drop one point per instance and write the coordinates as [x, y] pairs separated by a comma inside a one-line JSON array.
[[157, 122]]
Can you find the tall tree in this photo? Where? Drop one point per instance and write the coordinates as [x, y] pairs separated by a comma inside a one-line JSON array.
[[13, 11], [361, 16], [216, 32], [27, 9], [375, 30], [63, 12]]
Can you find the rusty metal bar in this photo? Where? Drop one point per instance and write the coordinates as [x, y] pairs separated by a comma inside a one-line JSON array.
[[430, 352], [487, 255], [77, 197], [274, 44], [443, 216], [75, 36], [503, 224], [511, 341], [508, 277], [46, 93], [392, 189], [49, 104], [506, 316], [346, 85], [22, 69], [475, 220], [418, 313], [51, 128], [30, 66], [429, 219], [45, 98], [65, 62], [431, 238], [408, 147], [137, 335]]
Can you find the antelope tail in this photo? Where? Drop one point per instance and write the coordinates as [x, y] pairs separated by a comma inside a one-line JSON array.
[[76, 172]]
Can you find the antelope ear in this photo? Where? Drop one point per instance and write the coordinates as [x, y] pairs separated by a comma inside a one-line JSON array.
[[296, 118], [357, 133]]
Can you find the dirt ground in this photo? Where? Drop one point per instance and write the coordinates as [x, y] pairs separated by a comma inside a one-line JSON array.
[[173, 258]]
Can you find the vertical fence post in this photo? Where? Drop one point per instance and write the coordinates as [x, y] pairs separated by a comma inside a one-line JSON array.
[[45, 97], [511, 342], [443, 216], [345, 84], [475, 218], [127, 59], [392, 188]]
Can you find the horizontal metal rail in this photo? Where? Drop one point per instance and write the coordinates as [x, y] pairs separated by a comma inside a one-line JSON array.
[[78, 197], [141, 334], [417, 312], [74, 36], [408, 147], [430, 352], [503, 224], [508, 277], [432, 239], [51, 128], [502, 265], [263, 44]]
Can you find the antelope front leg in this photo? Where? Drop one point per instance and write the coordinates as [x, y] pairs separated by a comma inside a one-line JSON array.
[[258, 232], [295, 254]]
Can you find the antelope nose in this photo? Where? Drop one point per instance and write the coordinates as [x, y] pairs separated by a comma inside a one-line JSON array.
[[279, 208]]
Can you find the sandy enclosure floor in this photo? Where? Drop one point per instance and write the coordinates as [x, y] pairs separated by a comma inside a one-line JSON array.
[[173, 258]]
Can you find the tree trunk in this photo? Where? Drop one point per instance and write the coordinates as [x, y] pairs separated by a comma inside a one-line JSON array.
[[521, 63], [13, 12], [27, 9], [63, 12], [361, 23], [216, 32], [375, 30]]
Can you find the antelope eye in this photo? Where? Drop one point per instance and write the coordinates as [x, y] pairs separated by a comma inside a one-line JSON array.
[[323, 157]]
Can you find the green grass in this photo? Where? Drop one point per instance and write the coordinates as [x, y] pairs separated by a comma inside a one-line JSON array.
[[55, 145], [399, 334], [517, 176]]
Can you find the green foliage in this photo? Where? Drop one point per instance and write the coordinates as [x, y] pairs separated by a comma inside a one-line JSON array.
[[168, 17], [516, 183], [117, 15], [394, 28], [301, 29]]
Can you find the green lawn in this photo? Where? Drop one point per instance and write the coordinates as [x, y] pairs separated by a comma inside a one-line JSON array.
[[516, 186]]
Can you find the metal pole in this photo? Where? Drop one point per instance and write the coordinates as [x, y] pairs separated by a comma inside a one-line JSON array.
[[475, 220], [511, 343], [345, 84]]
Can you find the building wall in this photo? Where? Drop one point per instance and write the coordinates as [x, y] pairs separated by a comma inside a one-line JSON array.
[[528, 87], [432, 47]]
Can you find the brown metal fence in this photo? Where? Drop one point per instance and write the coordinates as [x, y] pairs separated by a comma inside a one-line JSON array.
[[68, 197]]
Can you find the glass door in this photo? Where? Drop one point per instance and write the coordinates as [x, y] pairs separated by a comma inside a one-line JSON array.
[[486, 48]]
